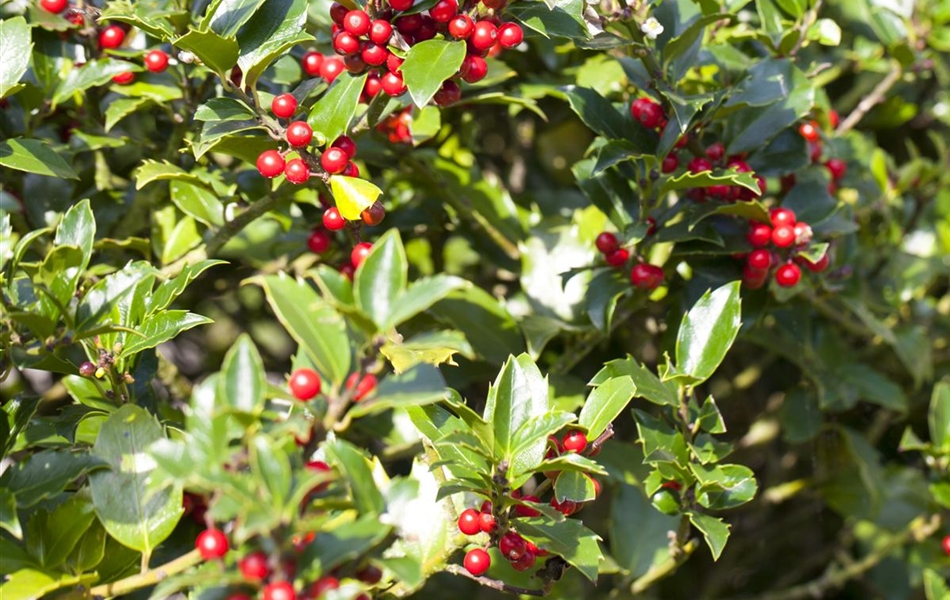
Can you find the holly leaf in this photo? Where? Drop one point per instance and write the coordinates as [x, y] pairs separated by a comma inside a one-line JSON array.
[[353, 195]]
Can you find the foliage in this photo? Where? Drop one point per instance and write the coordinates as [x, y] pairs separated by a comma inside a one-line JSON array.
[[629, 295]]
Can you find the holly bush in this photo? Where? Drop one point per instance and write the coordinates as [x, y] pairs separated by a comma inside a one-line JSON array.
[[473, 299]]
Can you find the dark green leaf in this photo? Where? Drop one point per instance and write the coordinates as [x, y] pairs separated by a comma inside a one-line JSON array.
[[47, 473], [170, 289], [724, 486], [381, 278], [161, 327], [138, 518], [938, 416], [199, 202], [331, 115], [93, 73], [639, 537], [487, 325], [609, 191], [8, 515], [708, 331], [428, 64], [605, 404], [568, 538], [574, 486], [682, 43], [356, 469], [344, 543], [275, 28], [421, 295], [519, 394], [229, 15], [553, 18], [216, 52], [241, 384], [600, 115], [661, 442], [16, 415], [271, 465], [224, 109], [648, 385], [63, 529], [34, 156]]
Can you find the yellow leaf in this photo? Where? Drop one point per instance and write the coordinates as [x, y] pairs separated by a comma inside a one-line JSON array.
[[353, 195]]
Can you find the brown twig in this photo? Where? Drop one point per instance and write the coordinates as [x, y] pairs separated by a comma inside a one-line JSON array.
[[872, 99], [494, 584]]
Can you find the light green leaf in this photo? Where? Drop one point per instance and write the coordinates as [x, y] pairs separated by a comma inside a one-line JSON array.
[[93, 73], [241, 384], [938, 416], [159, 328], [17, 47], [217, 53], [714, 530], [34, 156], [332, 113], [353, 195], [569, 538], [708, 331], [428, 64], [197, 201], [381, 278], [605, 404], [519, 395]]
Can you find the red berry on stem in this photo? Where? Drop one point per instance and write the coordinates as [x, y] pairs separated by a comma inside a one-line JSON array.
[[781, 216], [345, 43], [646, 277], [304, 383], [524, 563], [279, 590], [254, 566], [484, 35], [510, 35], [783, 236], [359, 253], [788, 275], [400, 4], [87, 369], [331, 68], [574, 441], [444, 10], [380, 31], [333, 220], [477, 561], [512, 546], [334, 160], [651, 114], [819, 266], [837, 167], [607, 243], [393, 63], [393, 84], [448, 94], [946, 545], [486, 521], [808, 131], [715, 151], [374, 215], [670, 162], [618, 258], [111, 37], [468, 522], [461, 27], [270, 163], [833, 118], [523, 510], [357, 22], [760, 234], [322, 586], [299, 134], [311, 63], [156, 61], [365, 386], [124, 78], [212, 543], [54, 6], [566, 508], [374, 54], [283, 106], [759, 259], [338, 13], [319, 241], [699, 165]]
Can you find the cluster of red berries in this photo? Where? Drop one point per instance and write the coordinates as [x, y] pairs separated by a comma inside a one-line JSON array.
[[275, 580], [366, 41], [520, 552], [715, 157], [643, 275], [779, 245], [396, 126], [305, 384], [648, 113], [811, 132]]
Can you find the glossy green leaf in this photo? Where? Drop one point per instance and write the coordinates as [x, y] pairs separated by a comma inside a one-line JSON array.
[[241, 383], [422, 294], [217, 53], [600, 115], [9, 519], [311, 322], [34, 156], [64, 528], [608, 190], [103, 298], [161, 327], [90, 549], [271, 465], [938, 416], [345, 542], [434, 348], [574, 486], [15, 414], [569, 538], [661, 442], [17, 45], [33, 584], [93, 73], [171, 288], [127, 508], [935, 587], [275, 28], [553, 18], [708, 331], [518, 395], [714, 531], [356, 470], [538, 429], [487, 325], [381, 278], [605, 404], [224, 109], [724, 486], [331, 115], [681, 44], [648, 385], [47, 473], [229, 15], [78, 228], [422, 384], [428, 64], [199, 202]]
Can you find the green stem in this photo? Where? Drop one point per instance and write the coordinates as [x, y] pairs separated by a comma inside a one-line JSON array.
[[664, 569], [146, 578]]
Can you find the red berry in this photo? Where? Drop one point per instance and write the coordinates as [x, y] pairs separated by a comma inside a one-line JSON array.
[[400, 5], [270, 163], [239, 597], [781, 216], [380, 31], [54, 6], [374, 215], [124, 78], [512, 546], [833, 118], [816, 267], [333, 220], [524, 563], [338, 13], [618, 258], [365, 387], [304, 383], [803, 233], [607, 243], [574, 441], [486, 521], [808, 131], [370, 575], [510, 35], [759, 259], [636, 107], [444, 10], [254, 566], [374, 54], [760, 234], [448, 94], [646, 277], [596, 484], [566, 508], [461, 27], [670, 162], [783, 236], [111, 37], [393, 84], [357, 22], [495, 5], [715, 151], [212, 543], [319, 241], [409, 23], [837, 167], [351, 170], [651, 114], [753, 278], [372, 85], [468, 522], [299, 134], [334, 160], [474, 68], [484, 35], [331, 68], [946, 545], [523, 510], [279, 590], [345, 43], [814, 151], [87, 369], [699, 165], [477, 561], [322, 586], [788, 275], [318, 466], [284, 106], [311, 63], [156, 61], [393, 63]]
